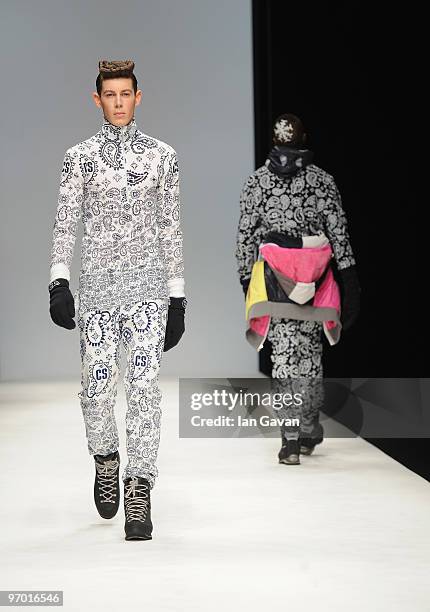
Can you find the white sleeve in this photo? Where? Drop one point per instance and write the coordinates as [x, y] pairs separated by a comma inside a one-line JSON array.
[[68, 214], [170, 227]]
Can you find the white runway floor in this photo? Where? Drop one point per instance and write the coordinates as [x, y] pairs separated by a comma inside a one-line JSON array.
[[347, 530]]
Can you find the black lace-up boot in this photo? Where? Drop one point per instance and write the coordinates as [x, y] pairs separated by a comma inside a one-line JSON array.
[[106, 484], [290, 452], [137, 507], [307, 444]]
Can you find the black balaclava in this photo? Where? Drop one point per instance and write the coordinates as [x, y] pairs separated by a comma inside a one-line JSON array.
[[289, 154]]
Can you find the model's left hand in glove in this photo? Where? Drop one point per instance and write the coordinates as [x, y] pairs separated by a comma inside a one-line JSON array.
[[175, 322], [61, 303], [245, 284], [350, 297]]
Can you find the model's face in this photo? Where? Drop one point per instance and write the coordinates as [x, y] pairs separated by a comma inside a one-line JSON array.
[[118, 101]]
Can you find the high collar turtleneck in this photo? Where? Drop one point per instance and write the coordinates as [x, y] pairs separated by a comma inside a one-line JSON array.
[[119, 132]]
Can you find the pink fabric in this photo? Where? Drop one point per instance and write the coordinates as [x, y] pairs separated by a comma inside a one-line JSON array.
[[328, 296], [260, 325], [301, 265]]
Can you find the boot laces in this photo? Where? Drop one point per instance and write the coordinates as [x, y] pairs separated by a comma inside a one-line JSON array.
[[136, 498], [106, 474]]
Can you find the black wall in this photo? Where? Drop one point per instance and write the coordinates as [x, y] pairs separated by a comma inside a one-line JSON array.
[[347, 71]]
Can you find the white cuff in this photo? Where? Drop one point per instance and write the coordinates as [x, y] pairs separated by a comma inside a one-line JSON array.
[[59, 270], [176, 287]]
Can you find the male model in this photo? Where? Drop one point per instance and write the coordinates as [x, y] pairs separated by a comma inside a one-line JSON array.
[[291, 201], [124, 185]]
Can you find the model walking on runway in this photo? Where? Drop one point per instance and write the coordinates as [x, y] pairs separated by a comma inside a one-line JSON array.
[[293, 224], [124, 186]]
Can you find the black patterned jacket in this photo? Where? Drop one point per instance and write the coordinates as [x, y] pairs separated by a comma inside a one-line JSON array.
[[305, 204]]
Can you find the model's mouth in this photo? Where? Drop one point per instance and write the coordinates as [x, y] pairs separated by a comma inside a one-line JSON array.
[[119, 113]]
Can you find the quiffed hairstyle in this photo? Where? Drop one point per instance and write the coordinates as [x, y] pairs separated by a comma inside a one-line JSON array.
[[114, 70]]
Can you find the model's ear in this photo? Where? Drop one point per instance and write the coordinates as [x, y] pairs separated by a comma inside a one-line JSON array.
[[138, 97], [96, 98]]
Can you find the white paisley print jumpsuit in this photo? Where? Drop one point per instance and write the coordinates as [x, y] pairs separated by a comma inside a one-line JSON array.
[[307, 203], [124, 186]]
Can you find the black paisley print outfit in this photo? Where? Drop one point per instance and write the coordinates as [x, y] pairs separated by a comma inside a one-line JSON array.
[[308, 203], [124, 186]]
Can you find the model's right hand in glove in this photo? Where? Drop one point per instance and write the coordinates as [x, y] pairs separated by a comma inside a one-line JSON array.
[[350, 297], [61, 303], [175, 322]]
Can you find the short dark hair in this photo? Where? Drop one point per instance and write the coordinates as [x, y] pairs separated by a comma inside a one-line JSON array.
[[115, 70]]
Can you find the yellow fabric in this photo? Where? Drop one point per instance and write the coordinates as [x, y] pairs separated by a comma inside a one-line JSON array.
[[257, 287]]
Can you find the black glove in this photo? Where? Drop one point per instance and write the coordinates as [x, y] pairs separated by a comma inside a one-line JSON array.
[[245, 284], [62, 304], [350, 296], [175, 322]]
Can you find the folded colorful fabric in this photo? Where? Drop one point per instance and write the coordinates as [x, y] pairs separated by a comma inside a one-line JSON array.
[[295, 282]]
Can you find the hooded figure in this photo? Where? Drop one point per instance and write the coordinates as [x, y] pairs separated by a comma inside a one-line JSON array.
[[289, 154], [292, 198]]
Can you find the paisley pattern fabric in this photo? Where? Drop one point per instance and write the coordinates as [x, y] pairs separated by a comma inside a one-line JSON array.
[[307, 203], [297, 368], [140, 328], [124, 186]]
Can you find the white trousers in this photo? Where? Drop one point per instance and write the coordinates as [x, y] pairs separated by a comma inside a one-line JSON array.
[[140, 327]]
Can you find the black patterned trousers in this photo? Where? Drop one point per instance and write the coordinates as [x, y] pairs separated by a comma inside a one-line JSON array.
[[297, 369], [139, 327]]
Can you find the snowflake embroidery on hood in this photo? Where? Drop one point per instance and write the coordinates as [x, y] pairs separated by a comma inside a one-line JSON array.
[[284, 130]]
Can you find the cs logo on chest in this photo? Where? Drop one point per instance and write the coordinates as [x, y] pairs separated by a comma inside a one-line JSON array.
[[88, 168]]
